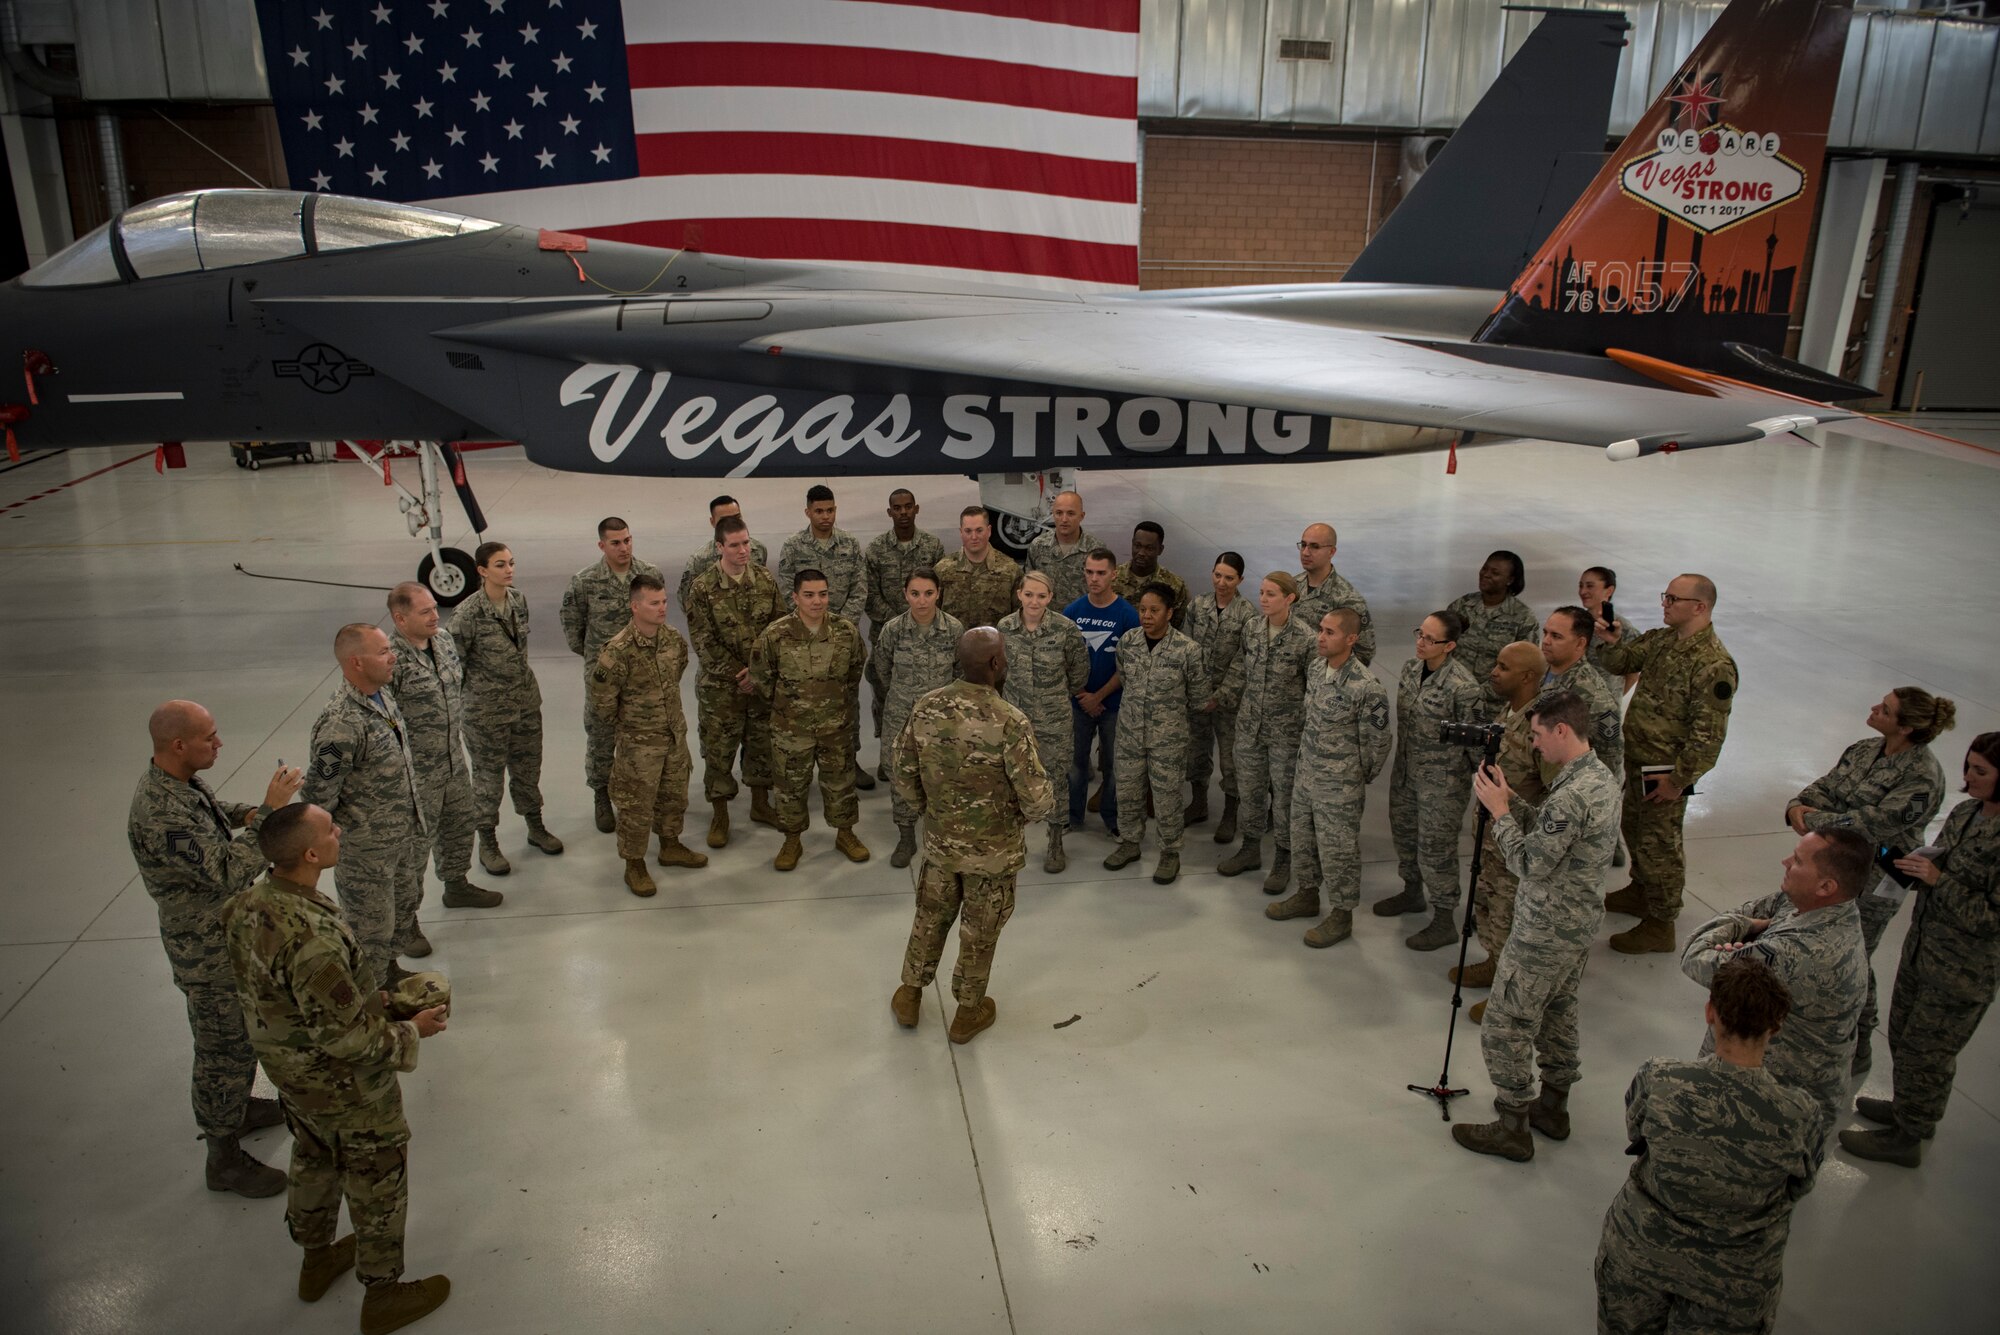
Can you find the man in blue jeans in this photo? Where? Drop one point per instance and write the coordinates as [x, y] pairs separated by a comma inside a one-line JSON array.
[[1102, 616]]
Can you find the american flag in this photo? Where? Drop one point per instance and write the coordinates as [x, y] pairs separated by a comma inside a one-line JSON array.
[[983, 137]]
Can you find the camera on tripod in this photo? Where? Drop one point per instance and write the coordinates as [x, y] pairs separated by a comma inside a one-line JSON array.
[[1485, 736]]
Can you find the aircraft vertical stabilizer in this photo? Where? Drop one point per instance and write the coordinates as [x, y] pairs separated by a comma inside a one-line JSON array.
[[1690, 244]]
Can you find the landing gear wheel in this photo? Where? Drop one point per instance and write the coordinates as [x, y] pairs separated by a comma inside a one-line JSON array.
[[451, 580], [1012, 533]]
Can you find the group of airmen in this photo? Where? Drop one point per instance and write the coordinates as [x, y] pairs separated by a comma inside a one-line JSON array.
[[998, 690]]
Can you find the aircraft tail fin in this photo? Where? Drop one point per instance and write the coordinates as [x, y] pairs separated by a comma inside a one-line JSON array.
[[1517, 162], [1690, 243]]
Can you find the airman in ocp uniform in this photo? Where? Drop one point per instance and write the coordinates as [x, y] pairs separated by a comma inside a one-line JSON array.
[[703, 558], [976, 582], [806, 666], [635, 690], [596, 606], [836, 554], [733, 601]]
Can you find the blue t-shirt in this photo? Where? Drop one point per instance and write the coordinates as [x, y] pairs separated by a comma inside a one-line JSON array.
[[1101, 627]]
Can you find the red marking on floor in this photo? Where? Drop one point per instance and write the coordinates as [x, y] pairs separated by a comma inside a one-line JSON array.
[[143, 454]]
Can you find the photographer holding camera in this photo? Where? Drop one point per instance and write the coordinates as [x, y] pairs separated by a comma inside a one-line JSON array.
[[1560, 853], [1887, 789], [1516, 678]]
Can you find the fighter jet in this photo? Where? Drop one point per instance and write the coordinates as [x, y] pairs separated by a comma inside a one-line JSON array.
[[1646, 322]]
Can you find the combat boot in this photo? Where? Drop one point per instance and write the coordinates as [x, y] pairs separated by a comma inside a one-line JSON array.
[[906, 1003], [607, 818], [788, 854], [1630, 900], [490, 856], [1334, 928], [844, 840], [1882, 1111], [1507, 1137], [418, 945], [323, 1265], [1549, 1114], [1894, 1145], [1441, 932], [260, 1113], [638, 880], [1301, 905], [1473, 975], [1168, 869], [1248, 857], [1864, 1056], [1650, 937], [718, 825], [761, 809], [539, 836], [1410, 900], [1197, 807], [1124, 855], [393, 1306], [674, 853], [1280, 874], [863, 779], [969, 1020], [1056, 860], [1478, 1013], [1226, 831], [463, 894], [230, 1169], [906, 846]]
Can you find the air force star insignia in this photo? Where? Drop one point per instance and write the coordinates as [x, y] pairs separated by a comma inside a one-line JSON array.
[[326, 760], [1550, 825], [181, 844]]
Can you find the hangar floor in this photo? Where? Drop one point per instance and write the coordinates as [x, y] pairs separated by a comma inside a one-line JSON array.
[[696, 1113]]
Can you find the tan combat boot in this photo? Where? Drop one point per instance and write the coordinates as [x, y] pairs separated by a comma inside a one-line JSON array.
[[463, 894], [1650, 937], [1549, 1114], [1055, 860], [323, 1265], [844, 840], [1628, 900], [718, 825], [1124, 855], [1478, 1013], [1336, 927], [969, 1020], [1476, 975], [761, 809], [1410, 900], [602, 811], [906, 1003], [1250, 857], [490, 856], [1507, 1137], [393, 1306], [539, 836], [1441, 931], [260, 1113], [674, 853], [788, 854], [638, 880], [1280, 874], [1301, 905]]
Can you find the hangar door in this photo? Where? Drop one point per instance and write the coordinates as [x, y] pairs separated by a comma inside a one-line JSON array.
[[1953, 343]]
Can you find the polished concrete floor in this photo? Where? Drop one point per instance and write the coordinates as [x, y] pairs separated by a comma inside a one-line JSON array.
[[695, 1113]]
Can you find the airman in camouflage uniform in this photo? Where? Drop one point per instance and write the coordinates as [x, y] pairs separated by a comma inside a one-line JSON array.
[[1516, 676], [1695, 1239], [1163, 676], [1889, 796], [635, 691], [1565, 648], [885, 563], [429, 686], [1679, 716], [1493, 616], [837, 555], [727, 614], [318, 1027], [808, 674], [1809, 934], [1343, 741], [1212, 731], [1431, 781], [361, 771], [195, 851], [967, 764], [596, 606], [1949, 970], [1322, 588], [1149, 540], [1061, 552], [503, 707], [1275, 661], [1046, 667], [703, 558], [976, 582], [1560, 852], [915, 658]]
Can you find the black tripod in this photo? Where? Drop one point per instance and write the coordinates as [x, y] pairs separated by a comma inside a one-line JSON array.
[[1442, 1090]]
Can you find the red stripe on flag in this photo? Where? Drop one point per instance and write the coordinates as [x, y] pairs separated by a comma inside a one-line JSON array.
[[731, 152], [849, 241], [1110, 15], [869, 69]]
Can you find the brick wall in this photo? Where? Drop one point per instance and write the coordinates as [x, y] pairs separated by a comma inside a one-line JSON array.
[[1228, 212]]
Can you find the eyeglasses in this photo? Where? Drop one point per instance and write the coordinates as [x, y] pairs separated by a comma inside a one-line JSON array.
[[1427, 639], [1305, 546], [1668, 600]]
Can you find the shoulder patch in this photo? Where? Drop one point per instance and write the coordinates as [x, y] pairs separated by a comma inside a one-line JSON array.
[[1378, 716], [326, 760], [602, 675], [1724, 689], [181, 844]]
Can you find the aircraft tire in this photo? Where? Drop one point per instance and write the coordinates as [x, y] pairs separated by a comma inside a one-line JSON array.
[[1012, 533], [452, 581]]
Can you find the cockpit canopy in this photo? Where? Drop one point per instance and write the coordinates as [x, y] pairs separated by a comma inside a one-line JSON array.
[[222, 229]]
